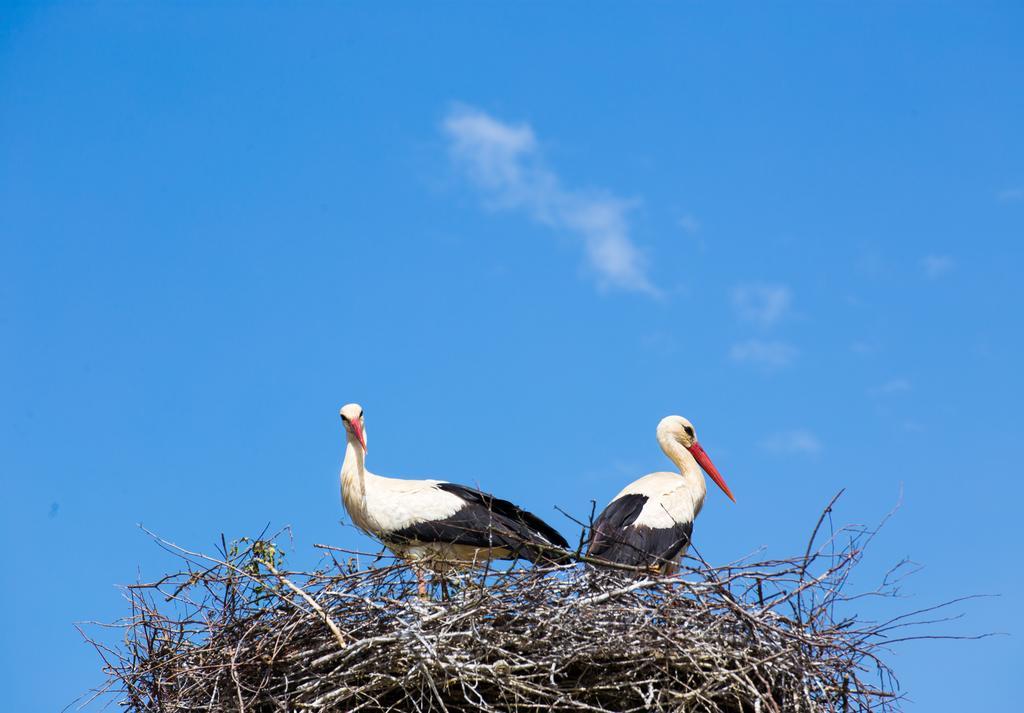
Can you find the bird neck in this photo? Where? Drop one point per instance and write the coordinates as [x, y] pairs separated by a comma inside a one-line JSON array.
[[686, 463], [353, 476]]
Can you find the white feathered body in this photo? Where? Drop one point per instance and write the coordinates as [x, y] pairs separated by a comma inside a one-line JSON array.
[[672, 498], [650, 522], [436, 520]]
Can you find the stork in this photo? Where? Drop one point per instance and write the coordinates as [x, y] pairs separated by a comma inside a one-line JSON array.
[[650, 522], [433, 521]]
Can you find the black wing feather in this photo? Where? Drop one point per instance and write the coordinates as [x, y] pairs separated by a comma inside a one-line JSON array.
[[614, 537], [486, 522], [511, 512]]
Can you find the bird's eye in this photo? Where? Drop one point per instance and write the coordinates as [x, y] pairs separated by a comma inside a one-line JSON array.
[[689, 430], [360, 414], [344, 418]]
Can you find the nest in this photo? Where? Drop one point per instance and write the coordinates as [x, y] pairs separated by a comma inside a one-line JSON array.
[[237, 631]]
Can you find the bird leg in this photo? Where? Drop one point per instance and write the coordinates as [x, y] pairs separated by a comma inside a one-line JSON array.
[[421, 582]]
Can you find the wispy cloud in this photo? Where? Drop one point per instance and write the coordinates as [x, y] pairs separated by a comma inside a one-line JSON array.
[[505, 161], [863, 347], [762, 304], [797, 441], [764, 353], [935, 266], [1011, 194], [689, 224], [692, 228], [892, 386]]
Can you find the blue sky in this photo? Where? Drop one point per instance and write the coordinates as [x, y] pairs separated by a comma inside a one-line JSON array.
[[519, 235]]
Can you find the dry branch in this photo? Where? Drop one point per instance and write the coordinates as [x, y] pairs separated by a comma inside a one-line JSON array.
[[223, 635]]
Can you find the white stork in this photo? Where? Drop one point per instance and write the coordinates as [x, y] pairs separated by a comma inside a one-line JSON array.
[[436, 521], [649, 523]]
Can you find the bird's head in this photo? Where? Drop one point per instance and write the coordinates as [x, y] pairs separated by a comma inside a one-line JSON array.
[[679, 430], [355, 426]]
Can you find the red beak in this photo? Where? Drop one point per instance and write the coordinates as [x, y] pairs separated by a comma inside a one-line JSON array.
[[357, 428], [705, 462]]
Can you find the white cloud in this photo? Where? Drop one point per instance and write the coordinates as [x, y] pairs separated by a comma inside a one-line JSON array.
[[1011, 194], [689, 224], [767, 354], [935, 266], [692, 228], [865, 348], [796, 441], [505, 161], [893, 386], [762, 304]]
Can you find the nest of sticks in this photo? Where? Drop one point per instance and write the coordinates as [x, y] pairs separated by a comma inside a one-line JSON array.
[[238, 631]]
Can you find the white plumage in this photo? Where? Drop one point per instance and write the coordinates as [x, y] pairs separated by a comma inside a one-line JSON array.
[[433, 519], [650, 522], [671, 499]]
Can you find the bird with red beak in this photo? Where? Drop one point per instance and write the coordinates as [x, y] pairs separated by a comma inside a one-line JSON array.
[[436, 525], [352, 417], [649, 523]]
